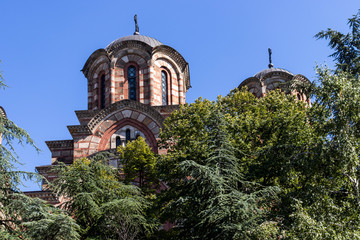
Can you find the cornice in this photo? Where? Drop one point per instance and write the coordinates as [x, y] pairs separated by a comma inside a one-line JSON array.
[[249, 80], [285, 75], [128, 44], [85, 114], [166, 108], [93, 57], [178, 58], [79, 130], [60, 144]]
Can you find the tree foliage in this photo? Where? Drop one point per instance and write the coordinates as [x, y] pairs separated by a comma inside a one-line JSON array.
[[346, 46], [213, 199], [103, 206], [332, 209], [259, 137], [239, 167], [138, 164], [22, 217], [310, 153]]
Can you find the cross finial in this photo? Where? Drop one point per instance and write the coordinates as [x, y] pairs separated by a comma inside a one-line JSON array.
[[270, 63], [136, 26]]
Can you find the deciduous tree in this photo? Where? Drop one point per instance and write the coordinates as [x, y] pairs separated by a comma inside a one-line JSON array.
[[138, 162]]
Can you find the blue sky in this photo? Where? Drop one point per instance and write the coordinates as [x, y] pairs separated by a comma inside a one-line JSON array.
[[44, 45]]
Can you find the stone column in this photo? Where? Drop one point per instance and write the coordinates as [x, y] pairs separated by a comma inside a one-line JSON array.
[[181, 85], [151, 82], [112, 83]]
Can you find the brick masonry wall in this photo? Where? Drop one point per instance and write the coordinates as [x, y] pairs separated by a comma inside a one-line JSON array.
[[148, 78], [101, 138]]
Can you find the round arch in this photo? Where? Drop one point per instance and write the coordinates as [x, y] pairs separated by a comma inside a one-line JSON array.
[[132, 122]]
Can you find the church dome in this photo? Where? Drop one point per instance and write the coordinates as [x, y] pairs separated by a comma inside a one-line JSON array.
[[152, 42], [262, 73], [273, 78]]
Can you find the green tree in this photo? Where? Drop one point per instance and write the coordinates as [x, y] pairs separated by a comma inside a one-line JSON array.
[[22, 217], [214, 201], [332, 211], [103, 206], [346, 46], [138, 164], [278, 141], [266, 134]]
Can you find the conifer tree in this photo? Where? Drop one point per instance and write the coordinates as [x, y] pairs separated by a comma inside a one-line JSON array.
[[103, 206], [22, 217], [346, 46], [215, 201]]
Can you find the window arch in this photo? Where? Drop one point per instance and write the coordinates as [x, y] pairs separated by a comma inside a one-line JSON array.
[[102, 90], [164, 87], [131, 75]]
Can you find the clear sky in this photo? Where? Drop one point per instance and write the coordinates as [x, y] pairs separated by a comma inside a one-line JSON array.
[[44, 45]]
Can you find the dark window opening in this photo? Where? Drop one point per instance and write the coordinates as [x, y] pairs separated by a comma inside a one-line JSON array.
[[118, 141], [127, 135], [132, 82], [102, 92], [164, 88]]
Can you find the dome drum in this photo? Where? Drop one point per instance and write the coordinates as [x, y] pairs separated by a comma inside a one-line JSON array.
[[271, 79], [150, 59]]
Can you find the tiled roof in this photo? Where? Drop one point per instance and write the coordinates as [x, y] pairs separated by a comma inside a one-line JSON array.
[[145, 39], [262, 73]]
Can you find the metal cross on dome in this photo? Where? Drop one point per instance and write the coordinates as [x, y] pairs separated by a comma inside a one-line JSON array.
[[136, 26], [270, 63]]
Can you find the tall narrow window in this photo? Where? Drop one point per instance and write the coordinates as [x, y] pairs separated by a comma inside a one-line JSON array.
[[127, 135], [118, 141], [132, 82], [164, 88], [102, 91]]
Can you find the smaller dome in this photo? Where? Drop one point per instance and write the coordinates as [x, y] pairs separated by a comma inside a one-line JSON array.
[[152, 42], [262, 73]]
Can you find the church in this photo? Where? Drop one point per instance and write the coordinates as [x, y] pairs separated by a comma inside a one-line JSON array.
[[133, 85]]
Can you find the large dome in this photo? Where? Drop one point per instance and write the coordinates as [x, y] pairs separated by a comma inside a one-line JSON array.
[[262, 73], [152, 42]]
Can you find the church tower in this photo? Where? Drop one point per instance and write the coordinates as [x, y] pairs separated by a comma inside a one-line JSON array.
[[274, 78], [133, 85]]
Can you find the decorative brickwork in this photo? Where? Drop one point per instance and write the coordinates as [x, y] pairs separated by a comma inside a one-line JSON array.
[[273, 78], [61, 150], [44, 195], [150, 57], [98, 129]]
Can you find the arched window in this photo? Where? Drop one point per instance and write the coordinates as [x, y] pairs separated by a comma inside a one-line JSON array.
[[102, 91], [118, 141], [132, 82], [127, 135], [164, 88]]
